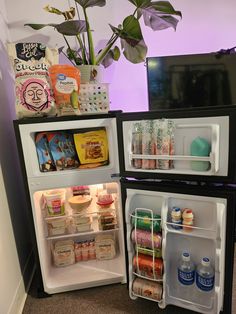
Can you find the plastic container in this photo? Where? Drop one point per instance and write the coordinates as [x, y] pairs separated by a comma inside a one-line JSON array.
[[107, 221], [187, 219], [104, 200], [56, 226], [205, 276], [81, 219], [55, 202], [83, 227], [176, 218], [105, 247], [79, 203], [63, 253], [200, 147]]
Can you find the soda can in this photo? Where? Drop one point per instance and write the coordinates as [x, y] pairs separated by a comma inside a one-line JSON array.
[[148, 289], [146, 239], [143, 265], [143, 220]]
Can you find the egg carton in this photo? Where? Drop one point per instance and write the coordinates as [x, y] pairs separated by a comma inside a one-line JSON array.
[[94, 98]]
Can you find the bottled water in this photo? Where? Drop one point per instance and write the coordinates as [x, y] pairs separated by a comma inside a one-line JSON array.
[[205, 275], [186, 270]]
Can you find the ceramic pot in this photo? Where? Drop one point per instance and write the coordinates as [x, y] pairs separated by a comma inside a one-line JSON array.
[[90, 73]]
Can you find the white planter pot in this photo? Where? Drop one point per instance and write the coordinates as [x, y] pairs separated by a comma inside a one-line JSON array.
[[90, 73]]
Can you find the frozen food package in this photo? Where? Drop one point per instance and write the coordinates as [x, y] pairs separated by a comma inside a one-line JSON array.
[[62, 148], [92, 148], [30, 62], [65, 83], [46, 162]]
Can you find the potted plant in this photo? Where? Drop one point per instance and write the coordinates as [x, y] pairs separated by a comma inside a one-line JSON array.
[[157, 15]]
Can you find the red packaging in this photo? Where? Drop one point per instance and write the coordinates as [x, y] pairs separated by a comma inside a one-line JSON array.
[[143, 265]]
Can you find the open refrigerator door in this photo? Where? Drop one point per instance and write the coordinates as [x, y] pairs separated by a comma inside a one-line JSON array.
[[75, 202], [178, 145], [156, 240]]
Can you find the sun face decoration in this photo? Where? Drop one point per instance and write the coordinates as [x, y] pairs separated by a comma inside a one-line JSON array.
[[35, 95]]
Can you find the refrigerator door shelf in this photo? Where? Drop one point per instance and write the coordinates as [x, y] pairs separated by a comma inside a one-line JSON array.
[[215, 127], [213, 158], [206, 240]]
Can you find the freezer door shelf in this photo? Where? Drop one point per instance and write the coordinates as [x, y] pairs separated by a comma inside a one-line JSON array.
[[83, 275]]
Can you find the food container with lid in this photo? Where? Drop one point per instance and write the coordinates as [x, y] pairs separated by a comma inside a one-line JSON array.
[[104, 200], [80, 202], [56, 226]]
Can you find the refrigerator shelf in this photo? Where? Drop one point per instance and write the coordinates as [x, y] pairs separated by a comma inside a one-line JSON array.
[[199, 305], [195, 232], [86, 233]]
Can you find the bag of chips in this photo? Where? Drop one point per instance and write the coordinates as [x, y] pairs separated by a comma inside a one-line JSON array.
[[62, 148], [46, 162], [92, 148], [65, 83], [30, 62]]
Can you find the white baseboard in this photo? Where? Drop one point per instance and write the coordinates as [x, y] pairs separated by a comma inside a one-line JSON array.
[[20, 296]]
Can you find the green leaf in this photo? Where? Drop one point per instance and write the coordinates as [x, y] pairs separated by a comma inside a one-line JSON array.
[[131, 29], [39, 26], [136, 54], [91, 3], [71, 27], [67, 28], [158, 15], [112, 55]]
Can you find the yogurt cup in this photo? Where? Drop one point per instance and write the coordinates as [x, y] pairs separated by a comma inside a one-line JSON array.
[[55, 202]]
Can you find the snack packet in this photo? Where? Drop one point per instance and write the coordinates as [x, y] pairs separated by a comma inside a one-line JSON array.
[[92, 148], [62, 149], [46, 162], [65, 82], [30, 62]]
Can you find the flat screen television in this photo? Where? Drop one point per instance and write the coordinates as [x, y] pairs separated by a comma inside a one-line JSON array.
[[186, 81]]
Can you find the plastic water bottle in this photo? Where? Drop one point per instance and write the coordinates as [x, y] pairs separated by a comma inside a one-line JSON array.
[[205, 275], [186, 270]]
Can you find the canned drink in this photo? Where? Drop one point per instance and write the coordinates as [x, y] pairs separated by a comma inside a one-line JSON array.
[[146, 239], [155, 252], [148, 289], [143, 265], [144, 221]]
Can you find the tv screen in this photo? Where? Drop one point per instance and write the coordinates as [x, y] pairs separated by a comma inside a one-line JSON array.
[[186, 81]]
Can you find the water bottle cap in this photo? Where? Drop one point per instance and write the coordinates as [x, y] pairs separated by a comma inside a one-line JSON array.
[[205, 261], [186, 256]]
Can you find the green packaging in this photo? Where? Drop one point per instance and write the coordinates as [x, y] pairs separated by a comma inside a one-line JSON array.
[[143, 220]]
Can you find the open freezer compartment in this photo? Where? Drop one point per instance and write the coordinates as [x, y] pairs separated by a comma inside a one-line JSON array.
[[178, 144], [79, 234], [58, 148], [153, 273]]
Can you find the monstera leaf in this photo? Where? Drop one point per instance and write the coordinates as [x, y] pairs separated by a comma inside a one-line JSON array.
[[132, 42], [67, 28], [91, 3], [157, 14]]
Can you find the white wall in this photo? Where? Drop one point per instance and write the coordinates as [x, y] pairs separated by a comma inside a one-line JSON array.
[[15, 244], [206, 26]]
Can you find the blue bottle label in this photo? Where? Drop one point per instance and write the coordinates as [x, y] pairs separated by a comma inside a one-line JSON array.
[[186, 277], [204, 284]]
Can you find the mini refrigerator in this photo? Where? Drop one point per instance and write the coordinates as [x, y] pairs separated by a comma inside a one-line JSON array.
[[153, 166]]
